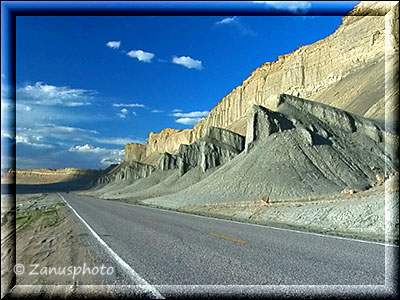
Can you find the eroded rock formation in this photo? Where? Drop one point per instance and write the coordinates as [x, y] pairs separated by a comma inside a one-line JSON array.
[[345, 70], [134, 152], [126, 171], [301, 150], [217, 147]]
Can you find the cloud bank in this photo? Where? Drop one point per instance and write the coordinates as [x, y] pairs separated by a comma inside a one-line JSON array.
[[45, 94]]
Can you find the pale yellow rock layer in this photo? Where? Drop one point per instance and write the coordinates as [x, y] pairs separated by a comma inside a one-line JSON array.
[[308, 72]]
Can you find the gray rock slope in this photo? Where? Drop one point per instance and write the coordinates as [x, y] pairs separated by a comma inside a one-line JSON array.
[[299, 150], [216, 148], [126, 171], [294, 149]]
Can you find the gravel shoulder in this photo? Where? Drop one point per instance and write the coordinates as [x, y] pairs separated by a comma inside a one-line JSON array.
[[369, 215]]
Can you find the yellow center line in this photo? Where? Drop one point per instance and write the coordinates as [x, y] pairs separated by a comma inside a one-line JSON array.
[[151, 218], [227, 238]]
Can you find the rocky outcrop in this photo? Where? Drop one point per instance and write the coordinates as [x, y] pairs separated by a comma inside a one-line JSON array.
[[168, 140], [126, 171], [216, 148], [300, 150], [311, 70], [167, 161], [345, 70], [134, 152]]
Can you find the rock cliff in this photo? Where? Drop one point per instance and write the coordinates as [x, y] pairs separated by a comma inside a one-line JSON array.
[[126, 171], [317, 70], [300, 150], [217, 147], [134, 152], [345, 70], [168, 140]]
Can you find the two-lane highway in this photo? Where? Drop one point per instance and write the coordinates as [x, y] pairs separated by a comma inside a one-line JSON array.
[[170, 248]]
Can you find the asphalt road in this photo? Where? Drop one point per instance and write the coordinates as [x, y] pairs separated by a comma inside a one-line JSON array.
[[169, 248]]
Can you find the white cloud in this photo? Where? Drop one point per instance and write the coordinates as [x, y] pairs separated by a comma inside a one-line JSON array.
[[226, 21], [106, 156], [188, 121], [193, 114], [117, 141], [51, 130], [141, 55], [44, 94], [86, 148], [47, 146], [111, 160], [123, 113], [114, 44], [190, 118], [176, 110], [295, 7], [32, 140], [187, 62], [128, 105], [134, 113], [6, 134], [243, 28], [157, 111]]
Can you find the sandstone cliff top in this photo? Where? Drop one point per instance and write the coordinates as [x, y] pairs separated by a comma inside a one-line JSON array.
[[372, 8], [169, 130], [135, 144], [365, 8]]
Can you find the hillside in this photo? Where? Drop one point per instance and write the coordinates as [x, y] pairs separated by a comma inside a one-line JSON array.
[[345, 70], [314, 133]]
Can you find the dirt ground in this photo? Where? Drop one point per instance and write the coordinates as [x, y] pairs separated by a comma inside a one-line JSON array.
[[370, 215], [52, 246], [48, 235]]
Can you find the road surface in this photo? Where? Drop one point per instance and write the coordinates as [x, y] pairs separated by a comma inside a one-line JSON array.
[[170, 248]]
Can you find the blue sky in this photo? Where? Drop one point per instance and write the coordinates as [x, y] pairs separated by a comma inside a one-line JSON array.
[[86, 86]]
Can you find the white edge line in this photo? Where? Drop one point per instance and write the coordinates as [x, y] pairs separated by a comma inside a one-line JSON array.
[[135, 276], [259, 225]]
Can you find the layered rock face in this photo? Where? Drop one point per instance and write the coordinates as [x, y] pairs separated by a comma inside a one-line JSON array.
[[216, 148], [126, 171], [168, 140], [134, 152], [300, 150], [312, 70], [345, 70]]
